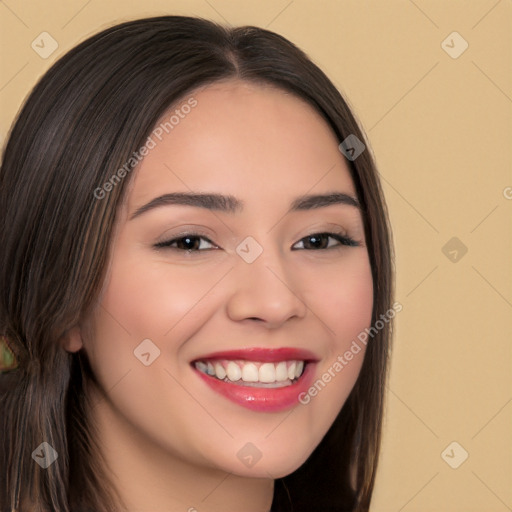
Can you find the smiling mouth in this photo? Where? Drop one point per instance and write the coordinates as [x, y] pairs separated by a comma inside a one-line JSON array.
[[253, 373]]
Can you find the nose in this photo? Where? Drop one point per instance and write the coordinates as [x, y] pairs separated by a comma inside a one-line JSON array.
[[264, 290]]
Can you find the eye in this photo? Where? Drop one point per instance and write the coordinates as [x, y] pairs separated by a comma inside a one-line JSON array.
[[189, 242], [195, 242], [321, 241]]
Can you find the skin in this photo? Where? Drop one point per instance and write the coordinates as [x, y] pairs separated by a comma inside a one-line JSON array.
[[170, 441]]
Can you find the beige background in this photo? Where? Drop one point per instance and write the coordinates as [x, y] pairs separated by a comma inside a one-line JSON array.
[[441, 131]]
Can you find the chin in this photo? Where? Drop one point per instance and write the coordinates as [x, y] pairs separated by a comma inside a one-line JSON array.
[[268, 466]]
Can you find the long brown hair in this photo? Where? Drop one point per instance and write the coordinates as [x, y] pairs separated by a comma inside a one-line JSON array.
[[81, 123]]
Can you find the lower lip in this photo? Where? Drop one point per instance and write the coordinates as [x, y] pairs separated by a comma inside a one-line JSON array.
[[262, 399]]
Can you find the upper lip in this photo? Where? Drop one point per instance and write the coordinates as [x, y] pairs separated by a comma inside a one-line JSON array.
[[270, 355]]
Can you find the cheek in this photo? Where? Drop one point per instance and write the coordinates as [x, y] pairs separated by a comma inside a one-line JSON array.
[[342, 298], [349, 304], [350, 314], [148, 301], [160, 302], [345, 308]]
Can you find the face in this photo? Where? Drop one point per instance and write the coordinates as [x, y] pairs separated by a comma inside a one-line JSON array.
[[224, 322]]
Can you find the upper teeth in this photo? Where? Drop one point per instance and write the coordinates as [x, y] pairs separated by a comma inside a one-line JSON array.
[[252, 371]]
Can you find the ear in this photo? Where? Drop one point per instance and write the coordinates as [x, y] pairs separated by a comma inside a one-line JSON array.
[[72, 340]]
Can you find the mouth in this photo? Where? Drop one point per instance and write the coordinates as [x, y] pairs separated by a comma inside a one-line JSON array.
[[264, 380], [256, 374]]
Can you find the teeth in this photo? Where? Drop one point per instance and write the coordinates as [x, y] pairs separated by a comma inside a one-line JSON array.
[[202, 367], [219, 371], [253, 373], [250, 373], [233, 371], [299, 368], [281, 371], [267, 372], [291, 370]]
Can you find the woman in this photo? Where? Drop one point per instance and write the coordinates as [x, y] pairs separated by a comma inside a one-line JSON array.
[[195, 255]]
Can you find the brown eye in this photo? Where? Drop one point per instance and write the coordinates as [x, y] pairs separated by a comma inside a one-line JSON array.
[[320, 241], [190, 242]]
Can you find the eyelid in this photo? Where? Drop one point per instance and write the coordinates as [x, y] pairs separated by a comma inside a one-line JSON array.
[[165, 243], [184, 231], [343, 239]]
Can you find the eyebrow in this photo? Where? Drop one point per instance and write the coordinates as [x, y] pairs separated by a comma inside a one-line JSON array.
[[232, 205]]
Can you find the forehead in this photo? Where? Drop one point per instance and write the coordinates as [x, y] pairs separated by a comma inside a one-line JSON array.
[[249, 140]]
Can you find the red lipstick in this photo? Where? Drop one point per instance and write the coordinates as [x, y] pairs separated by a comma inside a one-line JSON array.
[[265, 355], [261, 399]]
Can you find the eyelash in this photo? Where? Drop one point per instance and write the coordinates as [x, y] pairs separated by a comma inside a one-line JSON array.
[[344, 241]]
